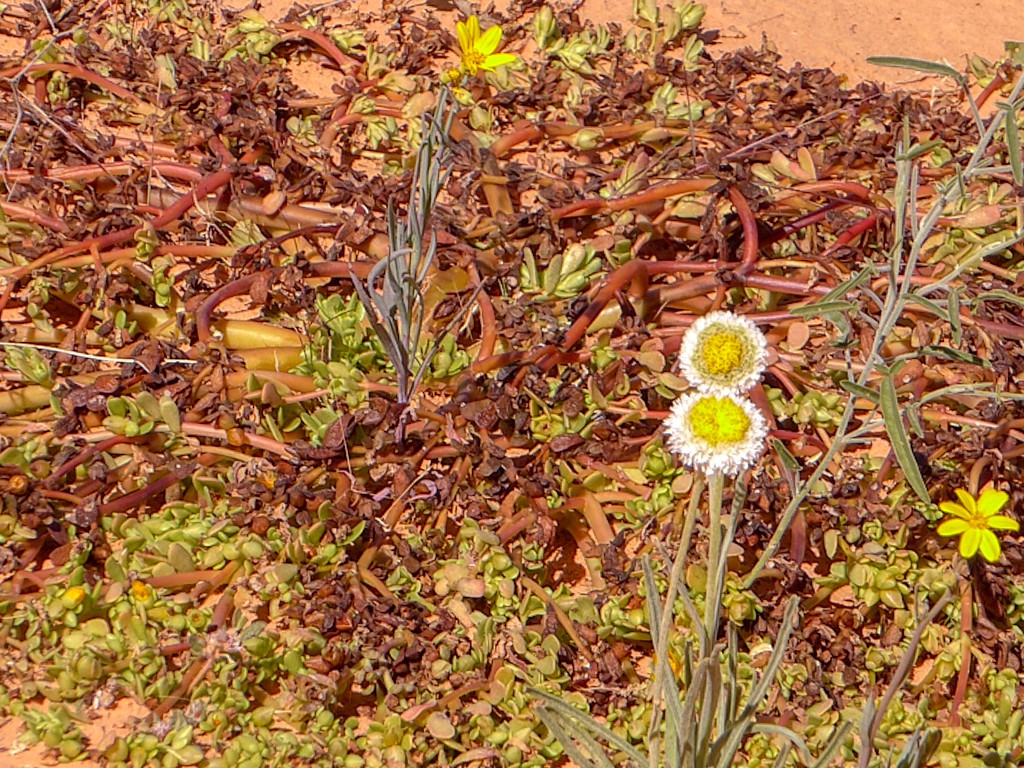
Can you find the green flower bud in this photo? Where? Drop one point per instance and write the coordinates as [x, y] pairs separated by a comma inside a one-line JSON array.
[[587, 138], [545, 29], [691, 15], [72, 597]]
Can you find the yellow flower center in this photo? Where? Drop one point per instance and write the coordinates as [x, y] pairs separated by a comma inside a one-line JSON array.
[[719, 421], [141, 591], [472, 60], [721, 353], [978, 521]]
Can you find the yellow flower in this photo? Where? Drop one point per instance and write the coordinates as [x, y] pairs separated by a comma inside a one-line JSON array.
[[141, 591], [478, 51], [72, 597], [973, 521]]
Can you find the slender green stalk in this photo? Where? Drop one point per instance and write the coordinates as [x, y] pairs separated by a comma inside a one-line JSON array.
[[716, 563]]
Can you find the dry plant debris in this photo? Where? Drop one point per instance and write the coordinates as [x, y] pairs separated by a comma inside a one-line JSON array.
[[215, 506]]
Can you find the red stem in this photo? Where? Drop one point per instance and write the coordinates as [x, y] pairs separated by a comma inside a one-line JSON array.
[[21, 213], [597, 205], [851, 233], [322, 41], [84, 456], [242, 285], [750, 238], [74, 71], [139, 497]]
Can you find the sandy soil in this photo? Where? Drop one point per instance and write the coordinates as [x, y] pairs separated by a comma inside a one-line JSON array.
[[843, 33]]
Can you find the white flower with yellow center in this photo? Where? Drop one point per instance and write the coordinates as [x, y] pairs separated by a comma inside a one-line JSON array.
[[722, 354], [713, 433]]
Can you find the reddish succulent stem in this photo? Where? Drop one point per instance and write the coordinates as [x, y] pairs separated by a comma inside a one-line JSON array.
[[72, 70], [852, 188], [488, 327], [84, 456], [851, 233], [655, 194], [520, 135], [750, 238], [323, 42], [183, 251], [89, 172], [617, 280], [802, 222], [997, 82], [21, 213], [966, 608], [140, 496], [204, 315]]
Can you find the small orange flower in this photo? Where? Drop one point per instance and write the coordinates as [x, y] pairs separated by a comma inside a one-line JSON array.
[[974, 520], [141, 591]]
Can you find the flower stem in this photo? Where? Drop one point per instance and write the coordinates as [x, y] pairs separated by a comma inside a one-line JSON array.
[[716, 569]]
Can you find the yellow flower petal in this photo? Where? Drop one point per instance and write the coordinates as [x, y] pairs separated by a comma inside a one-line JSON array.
[[967, 500], [465, 42], [495, 60], [473, 30], [489, 41], [970, 542], [953, 527], [989, 546], [991, 501], [952, 508], [1003, 523]]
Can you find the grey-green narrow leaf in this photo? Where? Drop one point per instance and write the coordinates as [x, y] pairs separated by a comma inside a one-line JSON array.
[[954, 316], [899, 440], [822, 307], [918, 65], [954, 354], [860, 391], [920, 149], [1013, 144], [851, 284], [788, 459]]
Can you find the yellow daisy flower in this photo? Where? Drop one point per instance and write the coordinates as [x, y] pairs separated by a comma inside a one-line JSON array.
[[974, 520], [716, 434], [478, 50]]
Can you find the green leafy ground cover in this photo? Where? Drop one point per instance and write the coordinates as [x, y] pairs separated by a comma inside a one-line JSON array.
[[223, 503]]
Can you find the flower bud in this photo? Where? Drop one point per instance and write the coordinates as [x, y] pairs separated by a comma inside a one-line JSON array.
[[72, 597], [545, 29], [691, 15], [587, 138]]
